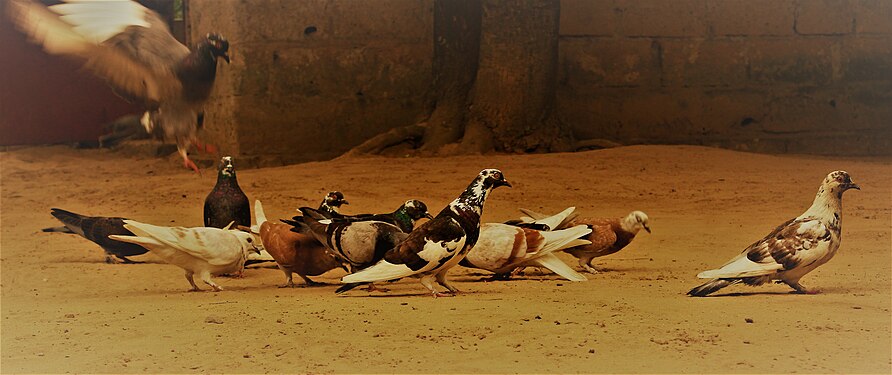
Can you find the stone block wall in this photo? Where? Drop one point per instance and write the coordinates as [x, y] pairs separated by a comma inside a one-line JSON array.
[[311, 79], [799, 76]]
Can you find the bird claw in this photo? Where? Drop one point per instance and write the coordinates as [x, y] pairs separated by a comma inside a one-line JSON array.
[[373, 288], [443, 294], [590, 270]]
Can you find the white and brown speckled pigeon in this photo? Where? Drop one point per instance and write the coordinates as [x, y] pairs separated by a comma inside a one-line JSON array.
[[227, 202], [432, 249], [607, 237], [793, 249], [294, 252], [97, 229], [203, 251], [131, 47], [501, 248]]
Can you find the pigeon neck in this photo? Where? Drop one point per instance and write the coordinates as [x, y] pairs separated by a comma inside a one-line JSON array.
[[226, 178], [827, 204], [471, 200], [324, 207], [403, 220]]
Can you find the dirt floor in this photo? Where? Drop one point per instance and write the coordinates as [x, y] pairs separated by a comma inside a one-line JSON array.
[[64, 310]]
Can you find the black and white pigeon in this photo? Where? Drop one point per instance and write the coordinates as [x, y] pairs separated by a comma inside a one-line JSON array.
[[357, 243], [202, 250], [793, 249], [227, 202], [132, 48], [331, 204], [437, 245], [97, 229]]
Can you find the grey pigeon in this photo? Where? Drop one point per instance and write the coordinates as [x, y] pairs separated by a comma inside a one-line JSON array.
[[793, 249], [432, 249], [97, 229], [131, 47], [203, 251], [227, 203]]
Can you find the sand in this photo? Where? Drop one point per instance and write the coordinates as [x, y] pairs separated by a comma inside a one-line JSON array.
[[65, 310]]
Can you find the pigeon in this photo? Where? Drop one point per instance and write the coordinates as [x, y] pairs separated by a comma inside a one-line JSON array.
[[534, 220], [226, 202], [201, 250], [437, 245], [97, 229], [501, 248], [607, 237], [331, 205], [131, 47], [793, 249], [293, 252], [358, 243], [404, 217]]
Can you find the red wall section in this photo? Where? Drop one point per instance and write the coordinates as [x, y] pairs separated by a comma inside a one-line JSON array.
[[49, 99]]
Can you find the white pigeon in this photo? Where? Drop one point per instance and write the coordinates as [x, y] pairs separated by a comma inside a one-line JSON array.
[[202, 250], [501, 248], [793, 249]]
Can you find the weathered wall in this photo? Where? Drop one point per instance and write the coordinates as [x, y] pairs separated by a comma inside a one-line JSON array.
[[804, 76], [311, 79]]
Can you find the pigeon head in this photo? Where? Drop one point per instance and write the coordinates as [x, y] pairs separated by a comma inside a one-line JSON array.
[[636, 221], [218, 45], [227, 169], [416, 209], [839, 181], [493, 178], [335, 199], [248, 242]]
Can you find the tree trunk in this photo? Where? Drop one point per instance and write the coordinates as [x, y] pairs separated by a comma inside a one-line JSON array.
[[513, 100]]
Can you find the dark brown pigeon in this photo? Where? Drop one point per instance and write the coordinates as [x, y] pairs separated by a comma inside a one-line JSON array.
[[97, 229], [226, 202], [131, 47]]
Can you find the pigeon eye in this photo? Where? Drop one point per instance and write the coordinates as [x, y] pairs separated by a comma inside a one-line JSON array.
[[497, 175], [250, 240]]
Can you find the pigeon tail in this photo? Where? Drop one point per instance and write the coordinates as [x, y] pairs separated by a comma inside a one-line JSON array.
[[564, 239], [711, 286], [57, 230], [259, 215], [347, 287], [309, 224], [73, 221], [554, 222], [554, 264]]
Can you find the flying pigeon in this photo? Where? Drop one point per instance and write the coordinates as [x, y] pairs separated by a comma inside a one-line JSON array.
[[793, 249], [608, 236], [131, 47], [331, 205], [97, 229], [203, 251], [359, 243], [226, 202], [293, 252], [437, 245], [501, 248]]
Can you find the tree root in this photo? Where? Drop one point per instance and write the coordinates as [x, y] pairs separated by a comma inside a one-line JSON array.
[[595, 144], [395, 136]]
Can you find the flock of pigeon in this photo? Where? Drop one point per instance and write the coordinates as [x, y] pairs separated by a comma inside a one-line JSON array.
[[132, 48], [391, 246]]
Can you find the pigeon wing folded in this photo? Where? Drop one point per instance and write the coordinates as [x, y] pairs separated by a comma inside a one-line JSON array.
[[216, 246]]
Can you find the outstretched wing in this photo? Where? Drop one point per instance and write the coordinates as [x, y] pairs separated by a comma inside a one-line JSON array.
[[120, 40]]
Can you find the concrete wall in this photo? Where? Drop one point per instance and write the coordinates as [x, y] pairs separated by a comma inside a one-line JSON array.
[[802, 76], [311, 79]]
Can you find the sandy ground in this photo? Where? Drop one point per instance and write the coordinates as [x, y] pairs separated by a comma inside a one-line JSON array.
[[64, 310]]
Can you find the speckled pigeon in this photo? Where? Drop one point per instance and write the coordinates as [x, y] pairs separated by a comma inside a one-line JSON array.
[[97, 229], [793, 249], [432, 249], [131, 47], [226, 202]]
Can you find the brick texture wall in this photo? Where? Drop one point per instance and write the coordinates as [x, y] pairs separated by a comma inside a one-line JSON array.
[[798, 76], [311, 79]]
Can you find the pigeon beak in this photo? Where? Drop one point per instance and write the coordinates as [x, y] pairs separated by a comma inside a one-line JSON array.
[[225, 57], [429, 216], [853, 186], [345, 202], [647, 228], [503, 183]]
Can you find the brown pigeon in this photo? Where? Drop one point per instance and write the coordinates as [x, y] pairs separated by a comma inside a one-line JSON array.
[[608, 236], [294, 252]]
